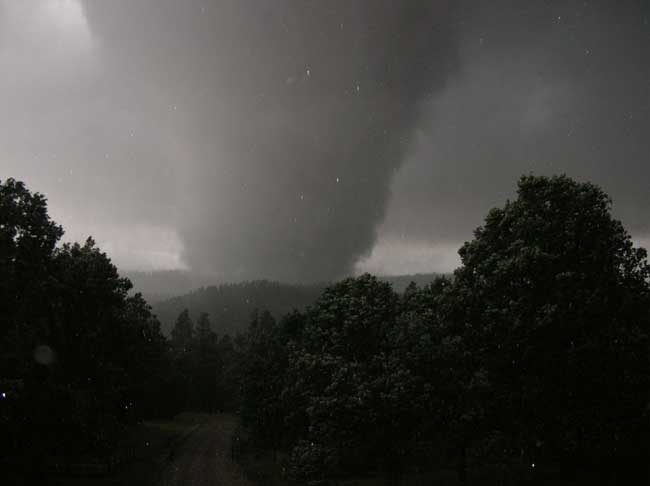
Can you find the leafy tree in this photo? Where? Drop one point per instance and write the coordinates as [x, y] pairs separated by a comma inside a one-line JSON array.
[[556, 304], [27, 241], [150, 366], [88, 298], [264, 375], [443, 387], [71, 335], [108, 345], [340, 375]]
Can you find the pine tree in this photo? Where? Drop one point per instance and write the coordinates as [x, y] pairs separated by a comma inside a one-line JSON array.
[[183, 333]]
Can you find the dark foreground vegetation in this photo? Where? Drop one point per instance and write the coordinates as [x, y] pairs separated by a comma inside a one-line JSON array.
[[530, 364], [80, 359]]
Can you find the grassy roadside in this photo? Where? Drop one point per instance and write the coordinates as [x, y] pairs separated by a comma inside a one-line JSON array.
[[153, 445], [150, 444], [262, 467]]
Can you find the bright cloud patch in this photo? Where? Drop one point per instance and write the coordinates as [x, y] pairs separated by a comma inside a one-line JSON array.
[[397, 257]]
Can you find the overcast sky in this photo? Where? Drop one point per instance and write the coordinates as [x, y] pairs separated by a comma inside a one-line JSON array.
[[307, 139]]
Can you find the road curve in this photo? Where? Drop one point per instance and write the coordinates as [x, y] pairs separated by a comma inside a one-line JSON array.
[[204, 459]]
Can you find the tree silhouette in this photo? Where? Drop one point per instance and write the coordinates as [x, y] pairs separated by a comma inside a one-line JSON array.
[[558, 306], [27, 241], [183, 333], [71, 337], [533, 356]]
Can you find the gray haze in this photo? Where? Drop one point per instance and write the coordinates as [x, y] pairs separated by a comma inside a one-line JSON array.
[[305, 140]]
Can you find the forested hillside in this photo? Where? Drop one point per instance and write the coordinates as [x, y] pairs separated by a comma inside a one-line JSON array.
[[230, 306], [160, 285]]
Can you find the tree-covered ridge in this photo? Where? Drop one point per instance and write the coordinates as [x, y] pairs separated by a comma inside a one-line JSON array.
[[161, 285], [230, 305]]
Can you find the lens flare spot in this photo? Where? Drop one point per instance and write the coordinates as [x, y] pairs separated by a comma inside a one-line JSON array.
[[44, 355]]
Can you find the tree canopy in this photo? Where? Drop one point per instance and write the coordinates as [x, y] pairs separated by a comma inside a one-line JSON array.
[[557, 303], [534, 355], [71, 336]]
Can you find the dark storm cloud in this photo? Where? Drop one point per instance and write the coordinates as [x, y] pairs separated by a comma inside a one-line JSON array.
[[68, 130], [294, 116], [287, 139], [544, 87]]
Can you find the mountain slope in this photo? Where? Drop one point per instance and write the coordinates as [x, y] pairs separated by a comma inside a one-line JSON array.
[[230, 306]]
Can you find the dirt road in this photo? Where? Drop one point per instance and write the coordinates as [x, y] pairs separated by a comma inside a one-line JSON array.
[[204, 459]]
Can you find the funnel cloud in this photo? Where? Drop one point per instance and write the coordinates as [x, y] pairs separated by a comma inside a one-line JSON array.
[[294, 116], [306, 140]]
